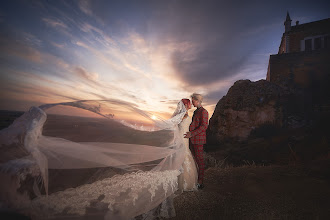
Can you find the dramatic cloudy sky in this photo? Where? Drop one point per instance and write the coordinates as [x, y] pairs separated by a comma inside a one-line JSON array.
[[150, 53]]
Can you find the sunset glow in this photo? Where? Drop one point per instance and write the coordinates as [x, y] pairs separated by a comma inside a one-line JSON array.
[[150, 54]]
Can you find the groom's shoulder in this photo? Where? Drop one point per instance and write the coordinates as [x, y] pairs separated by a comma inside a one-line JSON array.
[[203, 110], [205, 113]]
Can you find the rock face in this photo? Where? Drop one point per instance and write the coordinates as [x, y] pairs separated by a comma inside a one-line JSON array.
[[246, 106]]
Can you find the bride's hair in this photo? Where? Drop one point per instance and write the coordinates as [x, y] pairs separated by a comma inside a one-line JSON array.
[[186, 101]]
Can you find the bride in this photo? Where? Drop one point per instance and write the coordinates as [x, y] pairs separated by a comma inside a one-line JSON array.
[[188, 178], [148, 165]]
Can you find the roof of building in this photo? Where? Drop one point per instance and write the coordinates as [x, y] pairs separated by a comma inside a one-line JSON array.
[[321, 26]]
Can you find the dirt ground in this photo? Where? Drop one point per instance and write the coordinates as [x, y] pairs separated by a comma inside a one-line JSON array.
[[257, 192]]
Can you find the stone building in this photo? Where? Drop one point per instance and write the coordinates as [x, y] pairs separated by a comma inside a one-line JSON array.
[[295, 95], [303, 56]]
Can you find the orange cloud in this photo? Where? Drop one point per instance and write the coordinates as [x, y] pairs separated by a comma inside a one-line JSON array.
[[9, 47]]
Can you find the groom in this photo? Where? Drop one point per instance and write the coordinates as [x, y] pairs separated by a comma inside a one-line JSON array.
[[197, 134]]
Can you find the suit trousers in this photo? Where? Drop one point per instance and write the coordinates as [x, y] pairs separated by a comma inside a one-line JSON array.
[[197, 151]]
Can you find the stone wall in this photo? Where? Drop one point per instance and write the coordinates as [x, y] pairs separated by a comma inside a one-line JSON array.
[[302, 69], [294, 41]]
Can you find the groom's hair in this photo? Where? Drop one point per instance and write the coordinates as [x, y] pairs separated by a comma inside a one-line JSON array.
[[197, 97]]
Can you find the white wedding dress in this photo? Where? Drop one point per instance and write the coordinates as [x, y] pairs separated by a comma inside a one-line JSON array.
[[188, 178], [146, 166]]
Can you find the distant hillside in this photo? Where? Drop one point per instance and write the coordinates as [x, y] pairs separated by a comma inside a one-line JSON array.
[[83, 129], [7, 117]]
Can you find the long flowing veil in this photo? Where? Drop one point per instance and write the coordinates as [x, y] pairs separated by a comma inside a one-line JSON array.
[[105, 152]]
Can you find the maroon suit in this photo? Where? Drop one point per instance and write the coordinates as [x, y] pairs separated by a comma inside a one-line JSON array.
[[197, 129]]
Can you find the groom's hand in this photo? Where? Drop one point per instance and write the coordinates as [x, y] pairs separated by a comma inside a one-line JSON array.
[[187, 135]]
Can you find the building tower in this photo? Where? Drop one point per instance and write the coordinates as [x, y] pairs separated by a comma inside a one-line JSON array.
[[287, 24]]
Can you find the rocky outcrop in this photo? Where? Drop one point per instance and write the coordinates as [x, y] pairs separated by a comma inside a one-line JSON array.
[[247, 106], [266, 123]]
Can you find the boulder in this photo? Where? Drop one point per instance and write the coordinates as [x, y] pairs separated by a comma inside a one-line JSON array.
[[247, 106]]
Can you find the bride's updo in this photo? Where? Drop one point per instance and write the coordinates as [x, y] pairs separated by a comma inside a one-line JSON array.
[[186, 102]]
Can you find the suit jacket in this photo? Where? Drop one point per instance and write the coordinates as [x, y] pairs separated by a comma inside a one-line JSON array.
[[198, 126]]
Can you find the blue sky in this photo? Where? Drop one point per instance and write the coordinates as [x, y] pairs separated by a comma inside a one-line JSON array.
[[148, 53]]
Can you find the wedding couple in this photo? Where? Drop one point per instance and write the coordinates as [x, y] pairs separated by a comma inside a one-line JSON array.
[[194, 131], [150, 186]]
